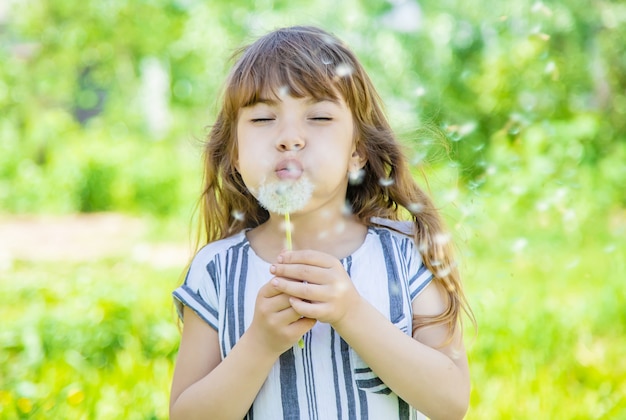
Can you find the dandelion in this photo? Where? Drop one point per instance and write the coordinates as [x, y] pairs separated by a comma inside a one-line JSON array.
[[284, 197]]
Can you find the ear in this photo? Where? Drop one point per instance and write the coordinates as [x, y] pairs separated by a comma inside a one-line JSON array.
[[357, 160]]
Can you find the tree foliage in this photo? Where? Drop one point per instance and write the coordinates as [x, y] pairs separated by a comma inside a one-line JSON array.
[[102, 103]]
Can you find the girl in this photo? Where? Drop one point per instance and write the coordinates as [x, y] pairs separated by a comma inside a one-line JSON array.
[[377, 300]]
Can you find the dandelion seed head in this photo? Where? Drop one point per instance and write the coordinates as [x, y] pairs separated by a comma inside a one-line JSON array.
[[285, 196]]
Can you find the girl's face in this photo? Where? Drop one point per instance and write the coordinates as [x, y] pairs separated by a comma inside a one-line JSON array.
[[286, 138]]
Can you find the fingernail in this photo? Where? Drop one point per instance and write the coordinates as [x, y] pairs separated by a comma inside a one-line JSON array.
[[272, 269], [275, 282]]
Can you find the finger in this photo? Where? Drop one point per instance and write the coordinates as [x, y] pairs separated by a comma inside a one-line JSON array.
[[268, 290], [302, 290], [287, 316], [301, 272], [303, 325], [308, 257], [276, 304], [306, 309]]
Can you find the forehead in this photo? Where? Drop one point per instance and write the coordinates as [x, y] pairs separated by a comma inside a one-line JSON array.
[[309, 67]]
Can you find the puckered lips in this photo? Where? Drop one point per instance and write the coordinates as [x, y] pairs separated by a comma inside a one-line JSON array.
[[289, 169]]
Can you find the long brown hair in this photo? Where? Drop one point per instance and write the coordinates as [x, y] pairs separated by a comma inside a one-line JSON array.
[[311, 62]]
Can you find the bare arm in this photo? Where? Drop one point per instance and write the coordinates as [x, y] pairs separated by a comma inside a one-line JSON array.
[[203, 384], [433, 379]]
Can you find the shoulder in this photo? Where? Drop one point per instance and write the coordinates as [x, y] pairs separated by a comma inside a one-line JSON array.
[[396, 229], [219, 247]]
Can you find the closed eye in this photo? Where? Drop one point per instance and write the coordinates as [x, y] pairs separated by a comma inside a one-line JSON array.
[[322, 119], [261, 120]]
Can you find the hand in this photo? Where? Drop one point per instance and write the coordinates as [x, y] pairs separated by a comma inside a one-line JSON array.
[[319, 286], [275, 324]]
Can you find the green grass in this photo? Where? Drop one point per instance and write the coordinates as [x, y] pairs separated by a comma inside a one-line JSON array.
[[91, 340], [98, 340]]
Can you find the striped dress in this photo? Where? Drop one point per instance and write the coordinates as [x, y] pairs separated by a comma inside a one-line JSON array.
[[326, 379]]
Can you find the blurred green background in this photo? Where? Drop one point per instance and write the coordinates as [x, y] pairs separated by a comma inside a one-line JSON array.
[[516, 112]]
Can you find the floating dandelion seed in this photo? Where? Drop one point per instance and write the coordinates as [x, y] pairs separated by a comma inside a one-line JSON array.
[[519, 245], [283, 91], [420, 91], [416, 208], [326, 60], [441, 238], [347, 209], [444, 272], [539, 7], [451, 195], [340, 228], [418, 158], [356, 177], [238, 215], [610, 248], [385, 182], [343, 70]]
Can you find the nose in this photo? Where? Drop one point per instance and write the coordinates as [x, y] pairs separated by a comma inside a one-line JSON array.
[[290, 139]]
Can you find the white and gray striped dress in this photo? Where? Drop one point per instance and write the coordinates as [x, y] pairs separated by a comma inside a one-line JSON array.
[[326, 379]]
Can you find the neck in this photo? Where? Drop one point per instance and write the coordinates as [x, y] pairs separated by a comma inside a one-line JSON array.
[[335, 233]]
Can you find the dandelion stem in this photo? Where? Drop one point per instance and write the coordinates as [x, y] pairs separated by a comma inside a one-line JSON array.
[[289, 248], [288, 232]]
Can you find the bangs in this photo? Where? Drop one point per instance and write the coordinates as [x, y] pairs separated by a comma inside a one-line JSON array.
[[300, 62]]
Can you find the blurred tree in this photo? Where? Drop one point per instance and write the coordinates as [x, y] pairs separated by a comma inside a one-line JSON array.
[[86, 84]]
